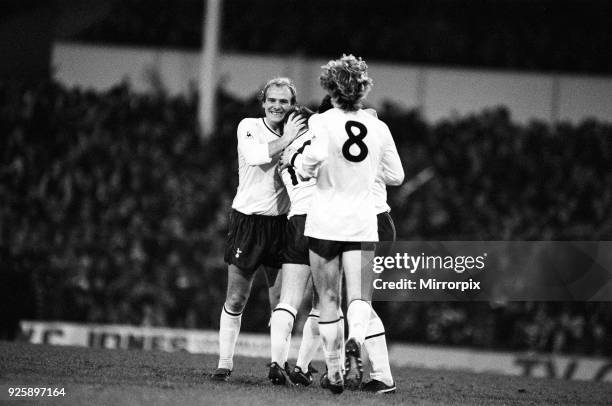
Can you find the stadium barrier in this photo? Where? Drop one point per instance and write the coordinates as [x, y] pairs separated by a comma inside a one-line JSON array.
[[258, 345]]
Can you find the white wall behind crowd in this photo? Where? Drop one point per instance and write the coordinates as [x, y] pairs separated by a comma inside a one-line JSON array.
[[438, 92]]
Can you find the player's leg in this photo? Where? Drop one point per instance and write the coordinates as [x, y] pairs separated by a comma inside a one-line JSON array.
[[355, 264], [238, 290], [294, 277], [324, 381], [243, 253], [295, 274], [271, 240], [358, 294], [274, 280], [326, 276], [283, 310], [381, 379], [311, 339]]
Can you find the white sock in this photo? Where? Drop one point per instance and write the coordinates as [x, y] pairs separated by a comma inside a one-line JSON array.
[[332, 348], [376, 347], [229, 328], [281, 324], [311, 339], [287, 348], [341, 332], [358, 316]]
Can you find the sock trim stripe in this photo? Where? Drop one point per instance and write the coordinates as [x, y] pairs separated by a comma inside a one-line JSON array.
[[313, 315], [375, 335], [285, 310], [230, 313], [330, 322]]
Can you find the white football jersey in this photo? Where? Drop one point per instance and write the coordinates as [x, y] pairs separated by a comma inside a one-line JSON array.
[[387, 175], [300, 190], [260, 188], [348, 150], [380, 196]]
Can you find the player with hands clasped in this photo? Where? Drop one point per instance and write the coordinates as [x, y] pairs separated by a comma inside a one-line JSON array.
[[349, 148], [258, 218], [295, 271]]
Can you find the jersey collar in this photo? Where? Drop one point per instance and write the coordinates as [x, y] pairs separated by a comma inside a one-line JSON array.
[[263, 120]]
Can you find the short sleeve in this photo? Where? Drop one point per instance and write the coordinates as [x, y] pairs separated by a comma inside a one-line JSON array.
[[254, 152]]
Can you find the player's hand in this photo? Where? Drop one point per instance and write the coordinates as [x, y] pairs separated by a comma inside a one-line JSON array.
[[294, 125], [285, 158]]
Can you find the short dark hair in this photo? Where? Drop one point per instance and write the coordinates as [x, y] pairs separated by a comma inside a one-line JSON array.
[[300, 110], [326, 104], [279, 81]]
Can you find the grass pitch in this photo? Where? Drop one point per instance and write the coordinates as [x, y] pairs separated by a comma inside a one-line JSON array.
[[119, 377]]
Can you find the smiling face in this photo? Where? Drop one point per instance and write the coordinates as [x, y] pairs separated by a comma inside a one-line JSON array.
[[277, 103]]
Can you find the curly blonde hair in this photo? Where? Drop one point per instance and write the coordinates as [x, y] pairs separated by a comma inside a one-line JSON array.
[[346, 81]]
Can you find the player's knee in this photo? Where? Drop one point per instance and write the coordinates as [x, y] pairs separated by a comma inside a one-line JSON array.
[[235, 302]]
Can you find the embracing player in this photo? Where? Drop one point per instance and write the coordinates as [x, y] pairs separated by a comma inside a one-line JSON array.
[[381, 379], [295, 271], [258, 218], [349, 146]]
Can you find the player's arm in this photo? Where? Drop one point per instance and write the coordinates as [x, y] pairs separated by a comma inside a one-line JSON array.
[[292, 157], [391, 169], [295, 123], [256, 153], [312, 157], [308, 162]]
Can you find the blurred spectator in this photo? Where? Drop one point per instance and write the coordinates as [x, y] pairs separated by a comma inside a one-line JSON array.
[[113, 211]]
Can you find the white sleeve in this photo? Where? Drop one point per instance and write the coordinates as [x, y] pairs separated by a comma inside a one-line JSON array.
[[391, 169], [254, 153], [308, 162]]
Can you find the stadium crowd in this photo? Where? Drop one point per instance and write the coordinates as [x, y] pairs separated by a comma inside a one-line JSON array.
[[542, 35], [114, 210]]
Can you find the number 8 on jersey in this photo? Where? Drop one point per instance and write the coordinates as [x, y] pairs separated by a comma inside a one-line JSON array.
[[355, 141]]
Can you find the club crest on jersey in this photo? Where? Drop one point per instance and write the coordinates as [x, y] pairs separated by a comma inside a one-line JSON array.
[[249, 134], [238, 252]]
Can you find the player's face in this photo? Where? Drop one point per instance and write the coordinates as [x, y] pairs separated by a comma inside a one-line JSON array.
[[277, 104]]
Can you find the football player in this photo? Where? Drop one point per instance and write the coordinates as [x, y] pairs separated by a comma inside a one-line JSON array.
[[258, 218], [375, 342], [295, 275], [295, 271], [348, 147]]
